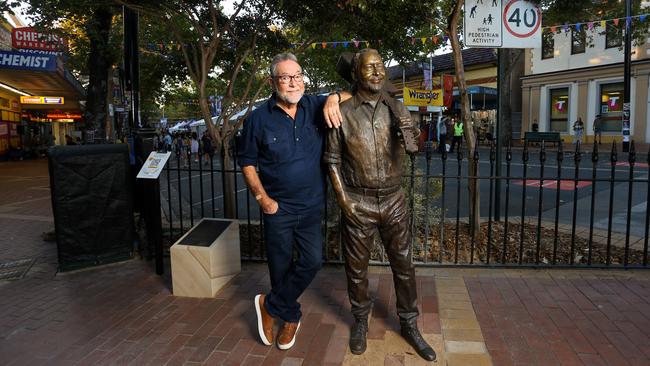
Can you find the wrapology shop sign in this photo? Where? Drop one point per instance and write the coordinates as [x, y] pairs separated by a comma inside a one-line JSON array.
[[27, 61]]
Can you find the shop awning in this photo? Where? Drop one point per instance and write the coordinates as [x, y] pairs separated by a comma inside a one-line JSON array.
[[480, 97], [53, 80]]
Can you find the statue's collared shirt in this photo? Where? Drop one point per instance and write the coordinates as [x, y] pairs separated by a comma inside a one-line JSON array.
[[367, 146], [287, 152]]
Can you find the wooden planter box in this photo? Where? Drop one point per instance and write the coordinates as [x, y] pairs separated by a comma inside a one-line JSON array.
[[205, 258]]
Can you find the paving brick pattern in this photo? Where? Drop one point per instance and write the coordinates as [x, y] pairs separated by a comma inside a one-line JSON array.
[[124, 314], [560, 318]]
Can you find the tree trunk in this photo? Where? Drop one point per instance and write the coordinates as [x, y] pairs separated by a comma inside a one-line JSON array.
[[99, 28], [218, 134], [465, 114]]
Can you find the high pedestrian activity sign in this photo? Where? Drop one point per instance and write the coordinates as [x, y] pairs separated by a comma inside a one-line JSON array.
[[502, 24]]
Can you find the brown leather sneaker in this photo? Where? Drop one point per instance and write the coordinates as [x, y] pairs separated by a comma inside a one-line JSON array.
[[264, 320], [287, 335]]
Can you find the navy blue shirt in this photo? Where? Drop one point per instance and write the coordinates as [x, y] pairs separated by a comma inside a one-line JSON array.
[[287, 152]]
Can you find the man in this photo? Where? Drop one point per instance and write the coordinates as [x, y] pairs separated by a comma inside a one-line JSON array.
[[208, 151], [364, 158], [284, 139], [578, 128], [458, 134], [598, 132], [442, 135]]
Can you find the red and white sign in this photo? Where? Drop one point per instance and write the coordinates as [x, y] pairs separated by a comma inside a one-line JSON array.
[[29, 38], [502, 24]]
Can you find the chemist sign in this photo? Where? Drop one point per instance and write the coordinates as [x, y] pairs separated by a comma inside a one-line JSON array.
[[27, 61], [502, 24]]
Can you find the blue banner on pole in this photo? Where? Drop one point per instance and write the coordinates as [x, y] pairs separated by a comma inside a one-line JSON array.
[[27, 61]]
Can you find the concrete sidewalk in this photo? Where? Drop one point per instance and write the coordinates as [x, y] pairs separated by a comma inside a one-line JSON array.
[[125, 314]]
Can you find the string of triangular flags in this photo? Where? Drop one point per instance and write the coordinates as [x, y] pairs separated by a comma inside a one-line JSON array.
[[436, 39], [590, 25]]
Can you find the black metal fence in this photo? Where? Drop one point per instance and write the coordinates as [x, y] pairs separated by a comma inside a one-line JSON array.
[[550, 207]]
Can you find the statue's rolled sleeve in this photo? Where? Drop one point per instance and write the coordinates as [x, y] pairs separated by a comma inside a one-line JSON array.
[[408, 129], [332, 154]]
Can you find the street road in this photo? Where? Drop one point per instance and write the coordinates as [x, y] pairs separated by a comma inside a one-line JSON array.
[[520, 193]]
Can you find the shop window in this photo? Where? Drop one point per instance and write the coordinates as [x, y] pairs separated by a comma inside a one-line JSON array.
[[559, 107], [578, 41], [548, 44], [613, 36], [611, 106]]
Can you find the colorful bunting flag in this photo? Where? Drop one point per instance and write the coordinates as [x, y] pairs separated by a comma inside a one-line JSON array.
[[578, 26], [616, 21], [603, 23], [565, 27], [642, 18], [356, 43], [590, 25], [553, 28]]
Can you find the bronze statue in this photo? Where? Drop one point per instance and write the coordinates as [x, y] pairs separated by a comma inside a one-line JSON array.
[[364, 158]]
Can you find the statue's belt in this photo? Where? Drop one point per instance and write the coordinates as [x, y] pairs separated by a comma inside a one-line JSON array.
[[374, 192]]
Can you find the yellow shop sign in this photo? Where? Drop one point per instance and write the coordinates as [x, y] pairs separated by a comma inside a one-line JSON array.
[[41, 100], [421, 97]]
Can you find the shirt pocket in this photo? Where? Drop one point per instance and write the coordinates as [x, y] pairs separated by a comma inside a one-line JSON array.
[[277, 146]]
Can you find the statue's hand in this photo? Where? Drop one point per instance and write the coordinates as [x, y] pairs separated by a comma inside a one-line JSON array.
[[350, 212]]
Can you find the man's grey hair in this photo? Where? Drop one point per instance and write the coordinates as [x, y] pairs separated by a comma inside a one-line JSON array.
[[280, 58]]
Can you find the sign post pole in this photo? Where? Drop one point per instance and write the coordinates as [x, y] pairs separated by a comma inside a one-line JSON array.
[[626, 77]]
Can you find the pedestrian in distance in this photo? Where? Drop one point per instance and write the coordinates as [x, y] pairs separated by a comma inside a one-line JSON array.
[[283, 138], [194, 148], [598, 129], [458, 134], [365, 164], [578, 128], [442, 135], [208, 150]]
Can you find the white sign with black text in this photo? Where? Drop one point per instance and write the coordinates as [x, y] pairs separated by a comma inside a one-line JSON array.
[[154, 165], [483, 23], [502, 24]]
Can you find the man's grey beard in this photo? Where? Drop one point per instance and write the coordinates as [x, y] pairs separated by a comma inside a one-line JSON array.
[[285, 97]]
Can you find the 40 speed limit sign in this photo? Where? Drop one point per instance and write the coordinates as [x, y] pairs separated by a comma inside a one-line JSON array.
[[522, 23], [502, 24]]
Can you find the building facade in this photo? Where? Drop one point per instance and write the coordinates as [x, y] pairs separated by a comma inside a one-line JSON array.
[[578, 73]]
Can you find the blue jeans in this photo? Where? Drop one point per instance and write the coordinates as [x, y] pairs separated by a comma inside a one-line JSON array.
[[289, 277]]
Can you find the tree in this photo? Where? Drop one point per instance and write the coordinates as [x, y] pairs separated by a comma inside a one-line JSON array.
[[232, 48], [95, 19]]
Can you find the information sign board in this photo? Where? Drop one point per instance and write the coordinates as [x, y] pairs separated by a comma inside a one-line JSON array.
[[154, 165], [502, 24]]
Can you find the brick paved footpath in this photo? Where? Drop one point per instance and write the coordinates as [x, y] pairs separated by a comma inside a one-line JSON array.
[[125, 314]]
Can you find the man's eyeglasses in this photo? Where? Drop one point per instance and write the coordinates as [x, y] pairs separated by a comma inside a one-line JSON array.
[[286, 79]]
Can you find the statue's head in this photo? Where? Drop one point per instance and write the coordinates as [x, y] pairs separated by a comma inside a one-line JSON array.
[[368, 71]]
